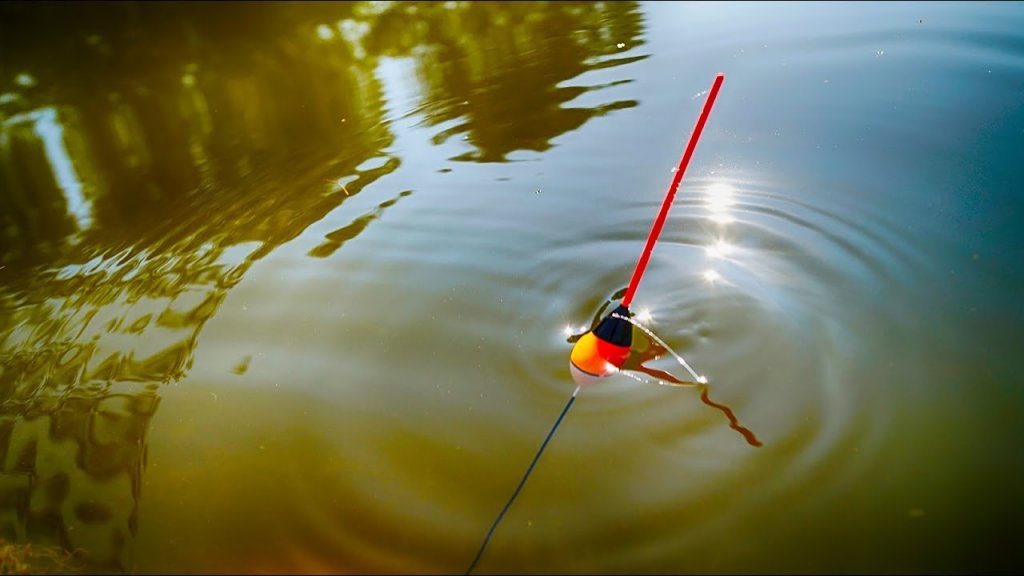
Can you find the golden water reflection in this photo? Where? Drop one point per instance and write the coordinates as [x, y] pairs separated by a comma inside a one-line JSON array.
[[150, 153]]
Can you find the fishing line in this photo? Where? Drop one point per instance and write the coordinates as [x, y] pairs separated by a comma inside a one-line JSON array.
[[522, 482], [680, 359], [657, 381]]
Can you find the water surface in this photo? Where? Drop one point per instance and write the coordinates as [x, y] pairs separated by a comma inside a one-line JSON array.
[[283, 286]]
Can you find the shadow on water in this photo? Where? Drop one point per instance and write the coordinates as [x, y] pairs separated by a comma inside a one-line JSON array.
[[150, 154]]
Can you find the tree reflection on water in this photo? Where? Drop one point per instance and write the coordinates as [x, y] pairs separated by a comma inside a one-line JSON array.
[[151, 152]]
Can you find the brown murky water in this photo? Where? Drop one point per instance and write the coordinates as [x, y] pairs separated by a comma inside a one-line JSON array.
[[283, 285]]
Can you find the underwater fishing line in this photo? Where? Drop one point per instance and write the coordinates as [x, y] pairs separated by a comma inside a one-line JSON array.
[[522, 482]]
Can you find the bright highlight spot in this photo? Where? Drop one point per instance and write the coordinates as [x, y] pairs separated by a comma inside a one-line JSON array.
[[719, 249], [644, 316], [324, 32], [569, 329], [25, 80], [719, 199], [702, 379], [339, 184], [712, 276]]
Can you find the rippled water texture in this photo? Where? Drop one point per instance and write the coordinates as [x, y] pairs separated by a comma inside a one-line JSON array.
[[284, 286]]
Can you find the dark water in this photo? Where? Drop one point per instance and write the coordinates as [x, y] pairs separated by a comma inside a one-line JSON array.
[[283, 286]]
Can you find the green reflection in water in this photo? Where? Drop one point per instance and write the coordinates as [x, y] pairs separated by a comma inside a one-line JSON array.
[[151, 152], [195, 144], [495, 71]]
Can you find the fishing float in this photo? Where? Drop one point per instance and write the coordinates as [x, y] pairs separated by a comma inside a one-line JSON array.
[[602, 351]]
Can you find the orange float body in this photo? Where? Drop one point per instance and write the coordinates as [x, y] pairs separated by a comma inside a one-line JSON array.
[[603, 350]]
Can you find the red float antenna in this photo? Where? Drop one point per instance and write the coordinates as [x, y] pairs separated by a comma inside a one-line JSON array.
[[659, 222]]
